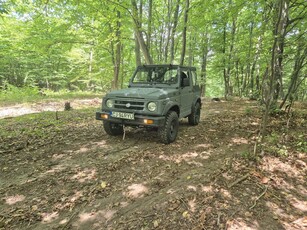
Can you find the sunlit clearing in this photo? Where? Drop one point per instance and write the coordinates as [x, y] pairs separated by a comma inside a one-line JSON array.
[[207, 188], [179, 157], [58, 156], [100, 143], [171, 191], [273, 164], [136, 190], [190, 155], [192, 205], [91, 216], [299, 204], [14, 199], [64, 221], [192, 188], [227, 176], [238, 224], [86, 174], [83, 150], [239, 140], [48, 217], [282, 184], [195, 163], [76, 196], [124, 204], [54, 169], [68, 202], [207, 146], [226, 193], [300, 223], [277, 211]]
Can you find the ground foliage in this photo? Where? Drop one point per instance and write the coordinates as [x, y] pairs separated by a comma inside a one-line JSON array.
[[66, 173]]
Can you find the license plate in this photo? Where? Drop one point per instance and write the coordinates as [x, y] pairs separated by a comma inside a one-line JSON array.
[[128, 116]]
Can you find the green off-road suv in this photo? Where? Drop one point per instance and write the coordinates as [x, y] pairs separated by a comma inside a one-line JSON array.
[[157, 96]]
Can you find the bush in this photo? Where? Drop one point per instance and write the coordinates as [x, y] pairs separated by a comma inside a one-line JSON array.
[[11, 94]]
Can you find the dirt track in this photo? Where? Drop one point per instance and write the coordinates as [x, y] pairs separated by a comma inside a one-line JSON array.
[[73, 176], [22, 109]]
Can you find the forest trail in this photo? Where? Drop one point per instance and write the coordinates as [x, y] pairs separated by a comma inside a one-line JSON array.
[[68, 174], [22, 109]]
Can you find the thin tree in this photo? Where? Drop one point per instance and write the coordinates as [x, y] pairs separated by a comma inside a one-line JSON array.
[[174, 28], [184, 32], [138, 33], [118, 47]]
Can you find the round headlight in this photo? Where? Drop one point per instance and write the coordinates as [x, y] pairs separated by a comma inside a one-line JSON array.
[[152, 106], [110, 103]]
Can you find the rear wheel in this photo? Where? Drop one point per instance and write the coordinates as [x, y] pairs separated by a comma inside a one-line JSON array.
[[113, 129], [195, 115], [169, 131]]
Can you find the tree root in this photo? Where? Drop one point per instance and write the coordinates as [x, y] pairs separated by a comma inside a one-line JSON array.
[[257, 198], [239, 180]]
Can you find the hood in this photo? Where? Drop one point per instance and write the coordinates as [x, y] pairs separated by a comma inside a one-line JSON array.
[[144, 93]]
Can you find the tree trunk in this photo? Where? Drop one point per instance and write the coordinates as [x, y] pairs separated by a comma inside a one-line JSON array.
[[203, 72], [168, 31], [175, 23], [278, 48], [90, 68], [250, 66], [139, 35], [137, 52], [226, 81], [184, 33], [298, 65], [117, 52], [229, 66], [191, 53], [149, 25]]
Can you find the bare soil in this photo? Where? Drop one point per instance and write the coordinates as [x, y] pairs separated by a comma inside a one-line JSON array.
[[64, 172], [22, 109]]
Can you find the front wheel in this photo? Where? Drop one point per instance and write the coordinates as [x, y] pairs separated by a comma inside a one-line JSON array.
[[195, 115], [169, 131], [113, 129]]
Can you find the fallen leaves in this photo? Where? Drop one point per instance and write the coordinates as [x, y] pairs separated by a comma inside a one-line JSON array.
[[72, 170], [103, 184]]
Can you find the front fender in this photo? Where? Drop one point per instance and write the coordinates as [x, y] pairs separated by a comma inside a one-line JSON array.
[[196, 99], [171, 105]]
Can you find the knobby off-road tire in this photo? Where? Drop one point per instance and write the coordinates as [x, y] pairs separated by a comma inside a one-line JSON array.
[[169, 131], [195, 115], [113, 129]]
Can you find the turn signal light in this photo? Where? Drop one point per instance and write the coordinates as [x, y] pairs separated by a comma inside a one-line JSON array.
[[148, 121], [104, 116]]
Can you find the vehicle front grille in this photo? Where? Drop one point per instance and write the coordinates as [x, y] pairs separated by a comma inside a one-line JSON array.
[[127, 104]]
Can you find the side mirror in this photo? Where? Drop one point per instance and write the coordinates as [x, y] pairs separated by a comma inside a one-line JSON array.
[[130, 83]]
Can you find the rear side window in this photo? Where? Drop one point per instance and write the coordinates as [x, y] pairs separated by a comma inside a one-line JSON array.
[[194, 78]]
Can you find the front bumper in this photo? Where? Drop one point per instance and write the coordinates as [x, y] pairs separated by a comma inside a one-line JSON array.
[[139, 120]]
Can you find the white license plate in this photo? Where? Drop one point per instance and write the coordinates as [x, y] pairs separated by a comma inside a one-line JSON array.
[[128, 116]]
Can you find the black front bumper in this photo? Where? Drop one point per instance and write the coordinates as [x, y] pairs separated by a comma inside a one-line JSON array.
[[138, 119]]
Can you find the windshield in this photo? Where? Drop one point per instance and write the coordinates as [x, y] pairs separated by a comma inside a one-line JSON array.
[[155, 75]]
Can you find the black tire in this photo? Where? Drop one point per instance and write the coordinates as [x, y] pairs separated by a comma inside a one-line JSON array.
[[113, 129], [194, 117], [169, 131]]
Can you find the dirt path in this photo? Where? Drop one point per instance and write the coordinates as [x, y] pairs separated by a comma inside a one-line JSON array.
[[80, 178], [22, 109]]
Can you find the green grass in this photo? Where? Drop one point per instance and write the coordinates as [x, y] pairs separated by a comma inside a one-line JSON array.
[[14, 95]]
